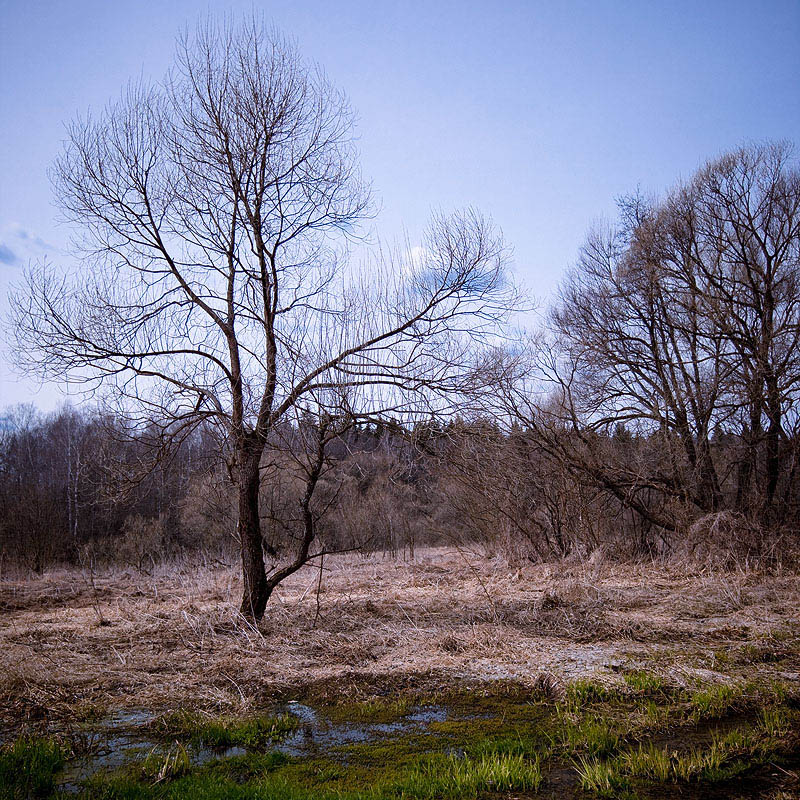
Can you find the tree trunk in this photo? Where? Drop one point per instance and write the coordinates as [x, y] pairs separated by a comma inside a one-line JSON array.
[[774, 411], [710, 489], [255, 592]]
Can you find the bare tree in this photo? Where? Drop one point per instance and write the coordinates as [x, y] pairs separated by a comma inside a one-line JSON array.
[[213, 289], [683, 324]]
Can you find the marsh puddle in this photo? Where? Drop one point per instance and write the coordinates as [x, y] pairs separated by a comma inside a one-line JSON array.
[[317, 734], [125, 738]]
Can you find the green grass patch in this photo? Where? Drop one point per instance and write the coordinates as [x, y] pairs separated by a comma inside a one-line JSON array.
[[583, 692], [468, 777], [654, 717], [603, 778], [28, 767], [644, 683], [245, 768], [715, 701], [594, 735], [251, 732], [728, 754], [712, 764], [378, 709], [775, 722], [207, 786], [517, 744]]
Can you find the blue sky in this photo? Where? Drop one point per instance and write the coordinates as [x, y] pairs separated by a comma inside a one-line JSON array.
[[538, 113]]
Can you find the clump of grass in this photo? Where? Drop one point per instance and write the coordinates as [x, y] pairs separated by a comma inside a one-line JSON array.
[[659, 764], [250, 732], [513, 745], [651, 762], [777, 692], [713, 764], [597, 737], [28, 767], [454, 777], [714, 701], [727, 756], [653, 715], [377, 709], [774, 722], [643, 682], [601, 777], [698, 763], [582, 692], [158, 767]]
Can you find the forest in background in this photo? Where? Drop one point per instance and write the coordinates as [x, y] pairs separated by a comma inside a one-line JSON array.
[[654, 415], [76, 489]]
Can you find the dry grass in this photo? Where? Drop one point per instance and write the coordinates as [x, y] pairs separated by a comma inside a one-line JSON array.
[[69, 644]]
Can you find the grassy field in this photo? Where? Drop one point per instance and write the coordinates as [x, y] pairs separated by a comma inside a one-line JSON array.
[[443, 677]]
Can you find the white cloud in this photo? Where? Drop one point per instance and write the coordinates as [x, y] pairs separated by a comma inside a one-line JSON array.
[[415, 259], [18, 245]]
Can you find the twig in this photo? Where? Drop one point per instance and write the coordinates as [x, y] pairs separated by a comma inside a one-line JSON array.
[[319, 587]]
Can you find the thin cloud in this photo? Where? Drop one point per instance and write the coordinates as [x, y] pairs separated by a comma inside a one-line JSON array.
[[19, 245], [7, 255]]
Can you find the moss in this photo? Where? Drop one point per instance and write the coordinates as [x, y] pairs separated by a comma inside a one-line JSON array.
[[207, 786], [396, 751], [378, 709], [433, 775], [248, 767]]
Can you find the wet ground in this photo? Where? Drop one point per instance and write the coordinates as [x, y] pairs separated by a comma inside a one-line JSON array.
[[126, 737], [323, 740]]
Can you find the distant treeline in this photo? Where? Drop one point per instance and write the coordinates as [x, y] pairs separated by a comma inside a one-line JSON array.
[[77, 488]]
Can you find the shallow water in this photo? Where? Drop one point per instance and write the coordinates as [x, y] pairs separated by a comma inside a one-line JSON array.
[[124, 738], [317, 734]]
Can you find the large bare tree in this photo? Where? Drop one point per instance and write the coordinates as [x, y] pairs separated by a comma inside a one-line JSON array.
[[682, 323], [213, 287]]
